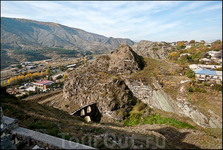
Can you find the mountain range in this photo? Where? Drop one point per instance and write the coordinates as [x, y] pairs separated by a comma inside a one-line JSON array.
[[31, 34]]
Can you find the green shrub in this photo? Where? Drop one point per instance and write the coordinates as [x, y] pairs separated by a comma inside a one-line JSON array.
[[190, 73], [205, 84], [137, 118], [217, 87], [202, 90], [190, 89], [155, 48]]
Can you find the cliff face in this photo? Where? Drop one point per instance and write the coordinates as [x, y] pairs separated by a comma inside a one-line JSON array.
[[145, 49], [154, 96], [107, 82], [97, 82]]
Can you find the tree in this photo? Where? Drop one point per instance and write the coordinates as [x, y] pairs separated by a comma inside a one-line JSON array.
[[202, 41], [42, 74], [203, 54], [219, 69], [51, 86], [192, 42], [190, 73], [18, 66], [217, 42], [65, 76], [173, 56], [217, 45], [48, 72], [180, 45], [68, 70]]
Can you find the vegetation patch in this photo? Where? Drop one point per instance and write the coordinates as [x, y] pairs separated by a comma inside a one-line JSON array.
[[141, 114]]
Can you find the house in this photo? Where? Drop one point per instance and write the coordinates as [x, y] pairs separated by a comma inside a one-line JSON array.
[[26, 63], [200, 66], [184, 54], [71, 69], [30, 67], [188, 47], [206, 74], [206, 60], [186, 44], [43, 84], [71, 66], [48, 60], [213, 54], [208, 43], [173, 44], [66, 58], [31, 88], [12, 66]]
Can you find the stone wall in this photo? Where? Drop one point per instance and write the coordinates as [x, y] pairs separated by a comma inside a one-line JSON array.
[[15, 137]]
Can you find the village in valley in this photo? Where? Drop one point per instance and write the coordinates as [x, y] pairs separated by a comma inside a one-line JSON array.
[[30, 78], [203, 59]]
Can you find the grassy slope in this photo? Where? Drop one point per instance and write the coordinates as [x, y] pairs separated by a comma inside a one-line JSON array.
[[52, 121], [209, 100]]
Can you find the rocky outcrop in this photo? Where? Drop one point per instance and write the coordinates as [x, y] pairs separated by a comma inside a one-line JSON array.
[[145, 49], [125, 60], [97, 83], [154, 96]]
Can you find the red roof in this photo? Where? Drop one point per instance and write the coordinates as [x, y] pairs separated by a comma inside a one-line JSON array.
[[44, 82]]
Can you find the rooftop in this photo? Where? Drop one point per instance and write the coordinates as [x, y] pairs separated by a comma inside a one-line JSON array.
[[205, 71], [44, 82]]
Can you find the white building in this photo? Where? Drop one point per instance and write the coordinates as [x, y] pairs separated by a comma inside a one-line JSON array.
[[71, 66], [208, 43], [206, 60], [206, 74], [213, 53], [188, 47], [26, 63], [43, 84], [184, 54], [201, 66]]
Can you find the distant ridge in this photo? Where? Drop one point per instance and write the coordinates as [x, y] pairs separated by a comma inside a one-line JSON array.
[[25, 33]]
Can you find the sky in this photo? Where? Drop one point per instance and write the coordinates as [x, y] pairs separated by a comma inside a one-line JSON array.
[[137, 20]]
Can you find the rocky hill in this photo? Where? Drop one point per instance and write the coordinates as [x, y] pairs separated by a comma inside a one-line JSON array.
[[24, 33], [112, 79], [146, 49], [97, 82]]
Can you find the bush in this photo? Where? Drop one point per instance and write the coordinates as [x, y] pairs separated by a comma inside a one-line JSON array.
[[218, 87], [205, 84], [137, 118], [190, 73], [202, 90], [219, 69], [190, 89], [155, 48]]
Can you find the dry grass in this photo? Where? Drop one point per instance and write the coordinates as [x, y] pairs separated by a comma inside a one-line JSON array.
[[42, 96]]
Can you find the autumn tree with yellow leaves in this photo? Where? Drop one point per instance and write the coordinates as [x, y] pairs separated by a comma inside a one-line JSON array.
[[180, 45]]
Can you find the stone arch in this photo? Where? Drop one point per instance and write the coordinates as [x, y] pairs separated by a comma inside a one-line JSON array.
[[87, 118], [88, 109], [82, 112]]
